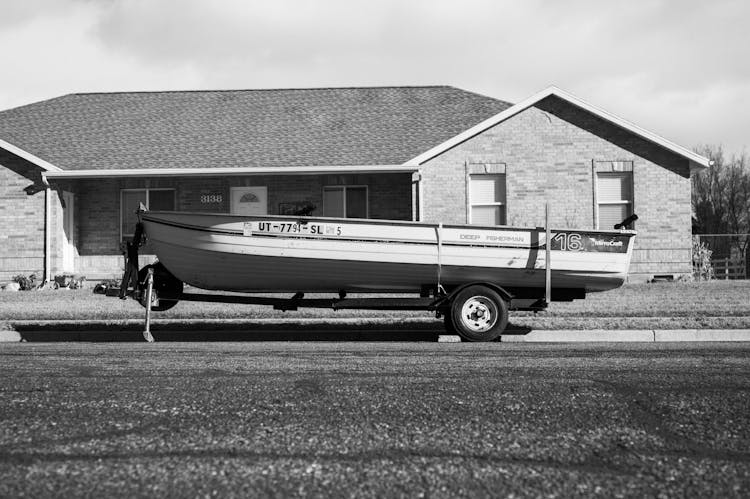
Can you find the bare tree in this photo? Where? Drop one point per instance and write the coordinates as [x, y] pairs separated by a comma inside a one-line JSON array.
[[721, 202]]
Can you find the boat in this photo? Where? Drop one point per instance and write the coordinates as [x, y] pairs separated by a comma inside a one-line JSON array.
[[273, 253], [470, 275]]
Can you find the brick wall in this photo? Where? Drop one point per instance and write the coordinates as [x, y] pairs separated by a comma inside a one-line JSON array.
[[21, 219], [548, 152]]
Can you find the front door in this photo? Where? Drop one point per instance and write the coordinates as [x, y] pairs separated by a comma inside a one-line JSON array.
[[68, 239], [251, 200]]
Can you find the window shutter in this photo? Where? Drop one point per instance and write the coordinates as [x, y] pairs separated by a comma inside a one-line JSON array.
[[488, 215], [488, 197], [612, 214], [614, 192], [487, 189], [614, 187]]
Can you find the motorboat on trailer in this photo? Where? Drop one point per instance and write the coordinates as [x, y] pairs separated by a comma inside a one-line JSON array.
[[282, 253], [270, 254]]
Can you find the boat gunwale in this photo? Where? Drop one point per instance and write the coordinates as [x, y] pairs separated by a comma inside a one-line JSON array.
[[403, 223], [533, 245], [322, 237]]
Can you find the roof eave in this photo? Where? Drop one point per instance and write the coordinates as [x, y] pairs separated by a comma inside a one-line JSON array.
[[696, 167], [208, 172], [31, 158]]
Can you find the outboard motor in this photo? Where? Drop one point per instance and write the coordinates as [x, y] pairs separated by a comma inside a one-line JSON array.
[[625, 223]]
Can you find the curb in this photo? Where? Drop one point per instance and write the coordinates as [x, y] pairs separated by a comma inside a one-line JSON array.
[[633, 335], [415, 330], [702, 335], [589, 335], [10, 336]]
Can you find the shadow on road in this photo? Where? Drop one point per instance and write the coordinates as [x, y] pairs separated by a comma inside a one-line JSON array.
[[223, 335], [319, 332]]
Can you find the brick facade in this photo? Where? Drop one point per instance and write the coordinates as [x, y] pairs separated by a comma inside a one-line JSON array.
[[21, 219], [548, 152]]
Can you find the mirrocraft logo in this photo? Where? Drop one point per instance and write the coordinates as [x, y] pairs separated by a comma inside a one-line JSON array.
[[600, 242]]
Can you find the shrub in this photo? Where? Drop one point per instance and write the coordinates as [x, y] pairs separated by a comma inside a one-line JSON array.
[[69, 281], [103, 286], [26, 282], [703, 269]]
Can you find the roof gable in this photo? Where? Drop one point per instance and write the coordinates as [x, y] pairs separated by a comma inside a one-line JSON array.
[[696, 160], [243, 128]]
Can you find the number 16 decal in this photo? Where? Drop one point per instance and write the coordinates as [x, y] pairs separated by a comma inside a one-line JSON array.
[[567, 242]]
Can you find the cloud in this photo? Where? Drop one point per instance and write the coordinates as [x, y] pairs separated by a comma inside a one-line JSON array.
[[17, 13], [678, 67], [51, 54], [279, 33]]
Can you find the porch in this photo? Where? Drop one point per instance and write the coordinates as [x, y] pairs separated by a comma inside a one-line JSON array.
[[93, 216]]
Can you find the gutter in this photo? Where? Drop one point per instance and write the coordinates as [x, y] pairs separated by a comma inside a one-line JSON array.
[[244, 171]]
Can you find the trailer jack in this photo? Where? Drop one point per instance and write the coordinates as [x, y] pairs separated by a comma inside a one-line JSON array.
[[149, 296]]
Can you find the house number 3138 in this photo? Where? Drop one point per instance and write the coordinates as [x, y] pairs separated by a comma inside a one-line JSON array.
[[211, 198]]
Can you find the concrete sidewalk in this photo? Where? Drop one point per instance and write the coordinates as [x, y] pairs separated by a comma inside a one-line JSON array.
[[328, 329], [632, 335], [619, 336]]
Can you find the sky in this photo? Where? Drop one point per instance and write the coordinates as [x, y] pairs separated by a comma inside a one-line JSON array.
[[679, 68]]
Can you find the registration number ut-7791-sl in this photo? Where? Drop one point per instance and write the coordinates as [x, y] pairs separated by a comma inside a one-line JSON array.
[[291, 228]]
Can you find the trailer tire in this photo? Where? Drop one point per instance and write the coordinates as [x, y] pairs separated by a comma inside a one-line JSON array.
[[165, 284], [450, 328], [478, 313]]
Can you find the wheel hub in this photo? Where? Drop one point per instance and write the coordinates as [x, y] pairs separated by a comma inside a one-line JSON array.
[[478, 314]]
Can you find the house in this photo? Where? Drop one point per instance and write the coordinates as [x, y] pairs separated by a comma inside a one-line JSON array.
[[73, 169]]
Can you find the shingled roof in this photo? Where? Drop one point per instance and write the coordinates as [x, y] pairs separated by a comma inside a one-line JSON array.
[[244, 128]]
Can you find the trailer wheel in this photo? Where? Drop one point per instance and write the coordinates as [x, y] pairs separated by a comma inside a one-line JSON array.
[[450, 328], [165, 284], [478, 313]]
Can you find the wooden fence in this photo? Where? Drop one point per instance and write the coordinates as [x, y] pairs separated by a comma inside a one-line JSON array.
[[728, 257], [725, 268]]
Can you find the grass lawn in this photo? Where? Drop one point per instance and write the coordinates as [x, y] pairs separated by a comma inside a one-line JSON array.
[[716, 304]]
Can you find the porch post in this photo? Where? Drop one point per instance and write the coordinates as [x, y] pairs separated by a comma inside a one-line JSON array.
[[47, 233], [416, 196]]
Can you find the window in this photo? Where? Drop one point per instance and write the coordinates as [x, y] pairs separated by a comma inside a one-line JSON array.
[[614, 193], [487, 197], [345, 201], [130, 200]]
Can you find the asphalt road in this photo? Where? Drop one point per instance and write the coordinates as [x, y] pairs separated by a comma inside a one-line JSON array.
[[374, 419]]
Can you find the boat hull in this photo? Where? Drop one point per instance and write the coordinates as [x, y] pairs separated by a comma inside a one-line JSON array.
[[224, 252]]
